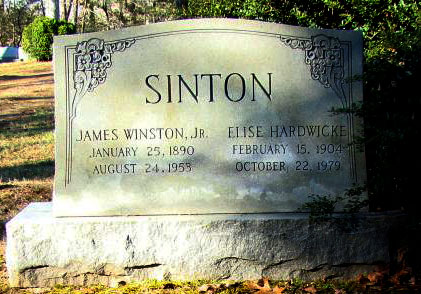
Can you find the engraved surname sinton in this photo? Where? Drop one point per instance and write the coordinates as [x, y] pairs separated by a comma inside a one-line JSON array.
[[234, 85]]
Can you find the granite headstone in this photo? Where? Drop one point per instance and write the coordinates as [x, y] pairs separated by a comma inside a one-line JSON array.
[[204, 116]]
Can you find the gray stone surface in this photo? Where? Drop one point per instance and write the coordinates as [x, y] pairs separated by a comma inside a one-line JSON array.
[[228, 116], [43, 250]]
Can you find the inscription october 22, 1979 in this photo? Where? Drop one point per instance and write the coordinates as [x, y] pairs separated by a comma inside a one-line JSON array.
[[204, 116]]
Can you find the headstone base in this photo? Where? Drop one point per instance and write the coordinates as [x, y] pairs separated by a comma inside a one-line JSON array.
[[43, 250]]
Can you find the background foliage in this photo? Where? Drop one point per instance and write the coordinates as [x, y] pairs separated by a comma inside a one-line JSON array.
[[114, 14], [13, 18], [38, 36]]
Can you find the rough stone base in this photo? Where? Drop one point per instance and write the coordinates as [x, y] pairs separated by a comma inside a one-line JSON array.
[[43, 250]]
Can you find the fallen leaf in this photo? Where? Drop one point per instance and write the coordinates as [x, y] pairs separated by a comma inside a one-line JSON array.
[[362, 279], [412, 281], [278, 290], [265, 283], [261, 286], [375, 277], [252, 285], [401, 277], [206, 288], [310, 289]]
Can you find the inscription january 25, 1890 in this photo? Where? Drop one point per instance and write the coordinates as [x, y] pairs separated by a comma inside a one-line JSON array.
[[204, 116]]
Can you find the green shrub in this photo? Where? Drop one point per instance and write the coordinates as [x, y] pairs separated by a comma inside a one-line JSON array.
[[38, 36], [65, 28]]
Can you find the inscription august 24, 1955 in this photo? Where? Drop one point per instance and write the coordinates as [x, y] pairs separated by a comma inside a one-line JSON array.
[[204, 116]]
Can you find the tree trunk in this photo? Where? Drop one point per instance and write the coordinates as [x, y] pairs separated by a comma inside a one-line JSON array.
[[105, 9], [85, 5], [19, 26], [75, 11], [63, 9], [121, 13], [42, 7], [66, 5]]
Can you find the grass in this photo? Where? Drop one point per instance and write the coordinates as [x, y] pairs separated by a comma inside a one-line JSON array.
[[26, 142], [262, 286], [26, 133]]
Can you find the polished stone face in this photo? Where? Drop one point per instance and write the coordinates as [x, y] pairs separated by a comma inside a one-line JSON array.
[[204, 116]]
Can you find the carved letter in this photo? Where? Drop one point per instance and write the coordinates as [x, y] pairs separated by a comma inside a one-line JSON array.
[[153, 89], [268, 94]]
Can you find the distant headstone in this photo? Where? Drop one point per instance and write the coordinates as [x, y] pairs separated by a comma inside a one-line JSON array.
[[8, 54], [204, 116]]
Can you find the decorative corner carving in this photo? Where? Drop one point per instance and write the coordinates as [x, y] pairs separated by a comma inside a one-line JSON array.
[[91, 61], [324, 55]]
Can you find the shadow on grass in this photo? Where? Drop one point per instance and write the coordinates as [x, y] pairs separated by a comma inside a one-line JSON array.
[[27, 124], [40, 170], [2, 229], [6, 186], [15, 77], [30, 98], [37, 83]]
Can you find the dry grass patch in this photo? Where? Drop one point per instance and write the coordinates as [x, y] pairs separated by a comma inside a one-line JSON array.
[[15, 195], [18, 150], [26, 143], [26, 135], [3, 270], [26, 157], [24, 87]]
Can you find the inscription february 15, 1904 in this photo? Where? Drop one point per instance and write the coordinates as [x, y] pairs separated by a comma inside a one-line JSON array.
[[204, 116]]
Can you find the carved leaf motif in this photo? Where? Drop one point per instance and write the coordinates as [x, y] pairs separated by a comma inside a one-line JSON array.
[[92, 59], [324, 55], [296, 43]]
